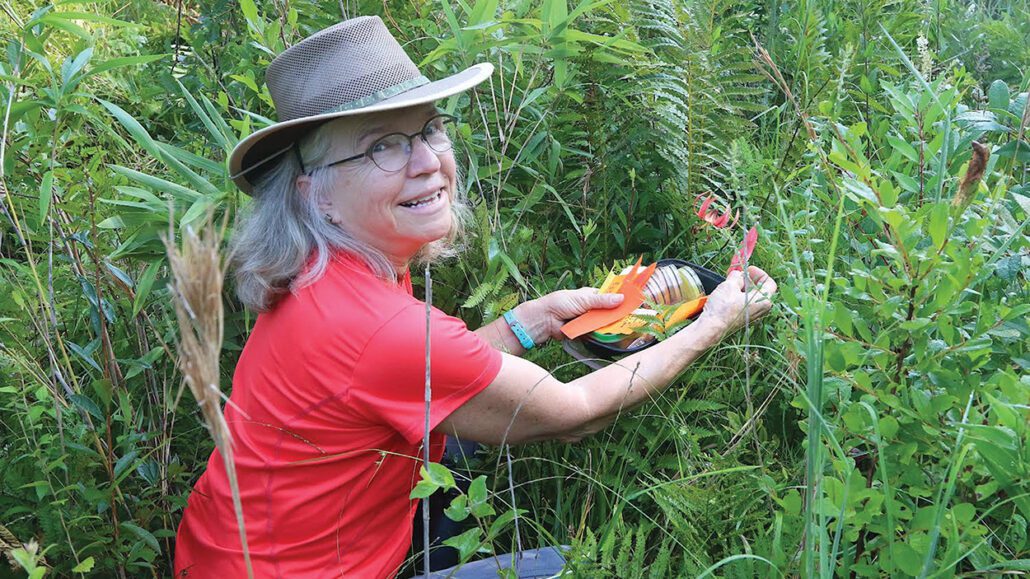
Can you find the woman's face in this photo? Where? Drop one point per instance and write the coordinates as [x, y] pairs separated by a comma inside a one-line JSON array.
[[399, 212]]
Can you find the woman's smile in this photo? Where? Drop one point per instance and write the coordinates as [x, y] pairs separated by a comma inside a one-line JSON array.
[[427, 203]]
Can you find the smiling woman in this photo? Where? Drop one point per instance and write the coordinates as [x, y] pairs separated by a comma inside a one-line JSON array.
[[303, 210], [407, 182], [355, 184]]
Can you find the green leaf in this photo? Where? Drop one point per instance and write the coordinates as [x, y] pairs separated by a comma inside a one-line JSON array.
[[982, 121], [904, 148], [65, 25], [104, 391], [146, 281], [423, 490], [791, 502], [157, 183], [25, 559], [907, 559], [124, 462], [123, 61], [200, 208], [85, 355], [483, 12], [481, 510], [118, 273], [150, 471], [859, 191], [254, 22], [143, 534], [71, 67], [46, 194], [87, 16], [1008, 267], [477, 490], [85, 566], [466, 543], [998, 95], [216, 134], [513, 269], [888, 427], [503, 521], [143, 138], [87, 404], [439, 475], [434, 479], [1017, 150], [458, 510], [478, 496], [938, 224], [1011, 565]]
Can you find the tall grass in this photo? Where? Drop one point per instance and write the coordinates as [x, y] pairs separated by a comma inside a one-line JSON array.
[[198, 274]]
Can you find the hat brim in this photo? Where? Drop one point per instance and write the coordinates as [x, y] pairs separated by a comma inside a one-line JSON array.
[[254, 152]]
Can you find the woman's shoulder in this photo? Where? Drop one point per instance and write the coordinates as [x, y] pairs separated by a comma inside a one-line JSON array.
[[349, 297]]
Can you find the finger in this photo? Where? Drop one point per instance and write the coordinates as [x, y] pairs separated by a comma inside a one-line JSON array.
[[587, 298], [759, 304], [759, 295], [760, 279], [768, 286], [734, 281], [757, 274], [604, 300]]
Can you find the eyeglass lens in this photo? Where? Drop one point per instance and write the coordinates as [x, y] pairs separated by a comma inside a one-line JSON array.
[[391, 153]]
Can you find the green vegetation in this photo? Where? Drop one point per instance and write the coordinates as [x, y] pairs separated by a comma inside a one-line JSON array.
[[875, 425]]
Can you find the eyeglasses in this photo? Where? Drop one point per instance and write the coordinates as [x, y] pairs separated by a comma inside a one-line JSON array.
[[392, 152]]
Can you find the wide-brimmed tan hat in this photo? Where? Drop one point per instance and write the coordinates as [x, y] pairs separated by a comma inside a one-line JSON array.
[[352, 68]]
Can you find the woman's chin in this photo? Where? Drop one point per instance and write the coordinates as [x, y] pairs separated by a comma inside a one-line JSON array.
[[428, 233], [430, 226]]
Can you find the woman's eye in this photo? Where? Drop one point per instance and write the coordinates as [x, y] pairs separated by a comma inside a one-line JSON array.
[[381, 147]]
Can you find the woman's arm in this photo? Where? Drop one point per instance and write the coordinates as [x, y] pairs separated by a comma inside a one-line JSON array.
[[525, 403], [543, 317]]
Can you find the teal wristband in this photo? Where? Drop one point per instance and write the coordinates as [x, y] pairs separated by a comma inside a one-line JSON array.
[[519, 331]]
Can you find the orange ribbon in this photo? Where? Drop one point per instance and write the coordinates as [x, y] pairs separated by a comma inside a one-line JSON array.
[[632, 288]]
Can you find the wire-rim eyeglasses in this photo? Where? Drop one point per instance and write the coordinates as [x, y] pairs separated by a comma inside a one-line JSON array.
[[392, 151]]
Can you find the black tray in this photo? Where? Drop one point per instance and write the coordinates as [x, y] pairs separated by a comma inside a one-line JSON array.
[[709, 280]]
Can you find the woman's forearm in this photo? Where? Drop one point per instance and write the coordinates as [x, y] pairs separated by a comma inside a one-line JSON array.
[[638, 378], [500, 336]]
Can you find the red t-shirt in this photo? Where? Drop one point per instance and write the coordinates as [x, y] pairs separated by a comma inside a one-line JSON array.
[[327, 418]]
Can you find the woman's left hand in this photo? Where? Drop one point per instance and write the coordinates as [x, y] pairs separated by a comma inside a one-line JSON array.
[[544, 316]]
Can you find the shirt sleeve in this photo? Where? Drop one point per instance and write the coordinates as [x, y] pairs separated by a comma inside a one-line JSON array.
[[389, 379]]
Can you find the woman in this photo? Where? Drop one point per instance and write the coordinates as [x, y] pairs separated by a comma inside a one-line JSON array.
[[356, 184]]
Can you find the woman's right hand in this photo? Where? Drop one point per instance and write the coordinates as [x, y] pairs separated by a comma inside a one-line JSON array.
[[726, 305]]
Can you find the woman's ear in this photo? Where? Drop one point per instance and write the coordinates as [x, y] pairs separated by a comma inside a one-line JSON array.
[[325, 207], [303, 184]]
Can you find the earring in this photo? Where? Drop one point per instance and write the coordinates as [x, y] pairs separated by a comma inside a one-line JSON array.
[[328, 218]]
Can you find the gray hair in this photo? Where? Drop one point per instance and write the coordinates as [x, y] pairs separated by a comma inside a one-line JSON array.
[[282, 230]]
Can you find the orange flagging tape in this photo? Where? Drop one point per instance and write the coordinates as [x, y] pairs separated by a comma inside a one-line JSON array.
[[632, 288]]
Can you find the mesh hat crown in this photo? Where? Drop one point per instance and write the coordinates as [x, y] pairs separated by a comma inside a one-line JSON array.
[[354, 67]]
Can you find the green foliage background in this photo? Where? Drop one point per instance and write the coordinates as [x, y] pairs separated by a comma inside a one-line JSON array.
[[876, 425]]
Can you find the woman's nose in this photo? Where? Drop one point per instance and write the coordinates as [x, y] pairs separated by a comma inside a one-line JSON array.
[[423, 159]]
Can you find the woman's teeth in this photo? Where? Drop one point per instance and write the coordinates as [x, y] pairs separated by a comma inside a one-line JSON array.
[[423, 201]]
